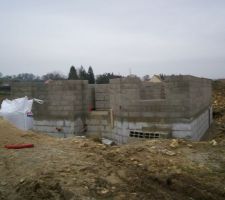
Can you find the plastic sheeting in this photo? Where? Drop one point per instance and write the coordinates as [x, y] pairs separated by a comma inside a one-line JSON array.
[[18, 112], [21, 105]]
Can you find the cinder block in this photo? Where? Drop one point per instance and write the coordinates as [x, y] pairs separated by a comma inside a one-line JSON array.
[[69, 123], [182, 134], [60, 123], [99, 97], [135, 126], [181, 127], [94, 128]]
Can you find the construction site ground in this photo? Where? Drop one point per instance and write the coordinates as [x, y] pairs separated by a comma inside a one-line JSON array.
[[84, 169]]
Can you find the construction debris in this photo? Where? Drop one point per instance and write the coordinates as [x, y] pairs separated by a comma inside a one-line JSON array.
[[107, 141], [174, 143], [213, 142]]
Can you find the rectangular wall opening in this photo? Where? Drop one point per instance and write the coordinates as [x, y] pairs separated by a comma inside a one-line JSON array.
[[145, 135]]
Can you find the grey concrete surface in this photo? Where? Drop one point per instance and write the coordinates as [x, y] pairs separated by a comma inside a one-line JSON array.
[[179, 106]]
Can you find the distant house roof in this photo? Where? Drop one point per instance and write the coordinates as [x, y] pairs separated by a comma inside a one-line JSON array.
[[155, 79], [48, 81]]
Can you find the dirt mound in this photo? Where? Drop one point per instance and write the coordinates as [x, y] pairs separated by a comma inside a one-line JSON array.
[[219, 109], [144, 170], [2, 197], [167, 186], [219, 101], [82, 169], [11, 135], [39, 189]]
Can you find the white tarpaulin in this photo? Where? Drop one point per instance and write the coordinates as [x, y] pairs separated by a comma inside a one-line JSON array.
[[18, 112]]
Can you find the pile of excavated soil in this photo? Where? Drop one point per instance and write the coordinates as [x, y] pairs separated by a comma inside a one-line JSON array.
[[10, 134], [219, 101], [44, 190], [83, 169], [219, 109]]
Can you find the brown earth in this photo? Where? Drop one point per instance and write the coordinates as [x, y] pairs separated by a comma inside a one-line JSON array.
[[87, 170], [219, 108]]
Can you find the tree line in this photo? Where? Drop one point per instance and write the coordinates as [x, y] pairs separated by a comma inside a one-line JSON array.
[[82, 74], [74, 74]]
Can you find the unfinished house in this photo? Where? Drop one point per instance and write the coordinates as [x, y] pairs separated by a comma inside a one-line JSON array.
[[124, 110]]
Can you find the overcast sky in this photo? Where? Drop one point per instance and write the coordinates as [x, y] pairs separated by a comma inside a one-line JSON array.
[[141, 36]]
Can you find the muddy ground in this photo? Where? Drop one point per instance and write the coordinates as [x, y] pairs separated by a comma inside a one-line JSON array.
[[84, 169]]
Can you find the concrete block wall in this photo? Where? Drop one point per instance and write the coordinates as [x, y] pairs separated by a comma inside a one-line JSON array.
[[21, 89], [131, 99], [122, 130], [150, 90], [196, 128], [91, 96], [68, 128], [169, 101], [102, 97], [200, 125], [168, 104], [124, 93], [67, 99], [179, 103], [63, 100], [99, 124], [40, 91], [200, 95], [177, 89], [192, 92]]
